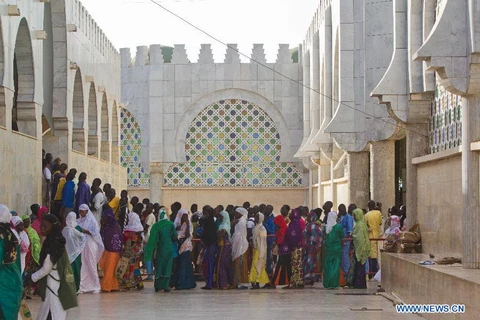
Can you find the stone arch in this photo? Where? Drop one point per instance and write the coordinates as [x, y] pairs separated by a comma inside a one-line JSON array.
[[104, 127], [115, 135], [78, 110], [92, 121], [240, 94], [24, 117]]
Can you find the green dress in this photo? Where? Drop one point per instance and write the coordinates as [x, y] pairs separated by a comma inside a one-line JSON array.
[[77, 266], [333, 257], [162, 237], [11, 287]]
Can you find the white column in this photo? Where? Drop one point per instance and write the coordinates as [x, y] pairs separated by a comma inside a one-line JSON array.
[[470, 183]]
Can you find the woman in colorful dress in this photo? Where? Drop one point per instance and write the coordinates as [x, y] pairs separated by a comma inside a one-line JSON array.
[[224, 256], [11, 287], [92, 252], [313, 240], [162, 237], [75, 244], [24, 241], [258, 273], [33, 256], [55, 282], [36, 224], [183, 277], [239, 249], [294, 239], [132, 247], [283, 268], [333, 252], [361, 251], [209, 239], [112, 240]]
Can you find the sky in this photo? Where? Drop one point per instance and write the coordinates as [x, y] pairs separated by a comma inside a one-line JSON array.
[[132, 23]]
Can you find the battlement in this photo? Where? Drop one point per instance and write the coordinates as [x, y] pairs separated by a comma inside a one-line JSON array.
[[81, 21], [154, 55], [317, 19]]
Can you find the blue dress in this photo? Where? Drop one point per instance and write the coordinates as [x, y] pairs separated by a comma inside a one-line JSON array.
[[347, 224]]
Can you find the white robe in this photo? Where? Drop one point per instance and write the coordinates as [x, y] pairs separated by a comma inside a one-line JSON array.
[[91, 254], [52, 303]]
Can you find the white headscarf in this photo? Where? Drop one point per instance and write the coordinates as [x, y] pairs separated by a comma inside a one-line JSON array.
[[5, 217], [90, 223], [162, 214], [22, 236], [239, 238], [178, 218], [16, 220], [134, 224], [394, 226], [260, 243], [5, 214], [331, 221], [76, 240]]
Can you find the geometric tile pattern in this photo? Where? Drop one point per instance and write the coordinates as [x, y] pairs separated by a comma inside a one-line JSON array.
[[445, 125], [131, 150], [233, 143]]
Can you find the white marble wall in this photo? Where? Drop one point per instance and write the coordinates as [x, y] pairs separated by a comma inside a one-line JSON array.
[[166, 97]]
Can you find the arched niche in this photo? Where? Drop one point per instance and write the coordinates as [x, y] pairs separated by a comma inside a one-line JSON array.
[[92, 121], [104, 125], [23, 113], [78, 108], [115, 135]]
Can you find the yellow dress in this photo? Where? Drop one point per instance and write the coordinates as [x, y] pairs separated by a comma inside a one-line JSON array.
[[115, 205], [254, 277], [374, 221]]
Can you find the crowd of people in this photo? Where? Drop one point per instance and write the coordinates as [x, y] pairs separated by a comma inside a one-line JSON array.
[[87, 240]]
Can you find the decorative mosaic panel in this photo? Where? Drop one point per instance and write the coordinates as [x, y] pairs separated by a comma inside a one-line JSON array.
[[233, 143], [445, 122], [131, 150]]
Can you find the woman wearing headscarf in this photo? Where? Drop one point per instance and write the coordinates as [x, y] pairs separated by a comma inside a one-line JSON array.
[[283, 269], [346, 220], [112, 241], [17, 222], [239, 249], [183, 277], [162, 237], [209, 239], [36, 224], [258, 273], [361, 251], [11, 287], [55, 282], [92, 252], [75, 243], [177, 222], [224, 256], [333, 252], [313, 240], [33, 256], [294, 241], [132, 247]]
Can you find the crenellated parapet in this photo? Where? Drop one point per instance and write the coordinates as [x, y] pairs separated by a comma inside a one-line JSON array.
[[79, 20], [153, 55]]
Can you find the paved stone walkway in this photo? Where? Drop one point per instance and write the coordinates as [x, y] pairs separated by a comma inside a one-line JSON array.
[[310, 303]]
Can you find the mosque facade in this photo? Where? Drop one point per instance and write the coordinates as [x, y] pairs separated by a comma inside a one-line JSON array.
[[382, 103]]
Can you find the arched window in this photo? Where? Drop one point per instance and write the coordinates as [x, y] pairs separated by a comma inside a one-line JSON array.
[[233, 143]]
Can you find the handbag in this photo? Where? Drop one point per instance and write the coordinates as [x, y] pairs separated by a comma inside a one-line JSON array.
[[122, 267]]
